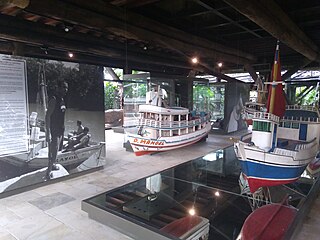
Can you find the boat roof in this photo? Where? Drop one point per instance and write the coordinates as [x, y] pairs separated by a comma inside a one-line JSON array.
[[254, 103], [300, 113], [162, 110]]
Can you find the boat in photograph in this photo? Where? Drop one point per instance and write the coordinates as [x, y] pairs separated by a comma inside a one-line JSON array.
[[37, 156], [282, 144], [163, 128]]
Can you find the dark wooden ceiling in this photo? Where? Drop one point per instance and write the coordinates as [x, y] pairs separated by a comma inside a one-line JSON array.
[[162, 35]]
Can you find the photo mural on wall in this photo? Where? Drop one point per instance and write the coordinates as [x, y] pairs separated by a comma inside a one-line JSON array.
[[236, 96], [51, 121]]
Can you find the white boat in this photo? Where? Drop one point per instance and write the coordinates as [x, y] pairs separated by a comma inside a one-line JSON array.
[[284, 140], [279, 150], [163, 128]]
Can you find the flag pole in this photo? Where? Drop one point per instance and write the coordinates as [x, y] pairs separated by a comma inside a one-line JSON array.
[[274, 78]]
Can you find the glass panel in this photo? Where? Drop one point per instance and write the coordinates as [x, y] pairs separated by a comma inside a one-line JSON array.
[[207, 187], [295, 125], [216, 104], [287, 125]]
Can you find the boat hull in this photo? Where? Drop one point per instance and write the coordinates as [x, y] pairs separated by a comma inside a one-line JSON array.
[[268, 222], [142, 145], [265, 169]]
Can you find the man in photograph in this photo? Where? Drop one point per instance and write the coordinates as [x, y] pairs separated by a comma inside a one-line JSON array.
[[55, 126]]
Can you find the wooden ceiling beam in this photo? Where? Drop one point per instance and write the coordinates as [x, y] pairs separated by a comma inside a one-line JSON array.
[[13, 29], [269, 16], [132, 3], [121, 22], [235, 23], [59, 55], [16, 3]]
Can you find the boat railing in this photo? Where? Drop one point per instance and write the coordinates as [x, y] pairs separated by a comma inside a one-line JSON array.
[[267, 116], [301, 107], [301, 119], [307, 145], [173, 124], [285, 152]]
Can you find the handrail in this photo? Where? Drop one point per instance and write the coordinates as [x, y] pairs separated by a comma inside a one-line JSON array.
[[302, 119], [267, 116], [173, 124], [301, 107]]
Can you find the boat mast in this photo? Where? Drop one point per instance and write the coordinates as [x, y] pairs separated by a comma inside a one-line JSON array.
[[274, 78], [43, 88]]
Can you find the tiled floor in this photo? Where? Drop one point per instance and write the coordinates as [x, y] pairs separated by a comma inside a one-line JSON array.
[[54, 211]]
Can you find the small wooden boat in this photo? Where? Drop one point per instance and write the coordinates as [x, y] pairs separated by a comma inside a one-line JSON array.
[[268, 222], [189, 228], [163, 128]]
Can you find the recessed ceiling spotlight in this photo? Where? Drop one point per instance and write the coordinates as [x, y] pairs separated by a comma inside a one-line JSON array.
[[192, 212], [70, 54], [194, 60], [220, 64]]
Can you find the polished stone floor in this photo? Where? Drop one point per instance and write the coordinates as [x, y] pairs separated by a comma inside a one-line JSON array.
[[54, 211]]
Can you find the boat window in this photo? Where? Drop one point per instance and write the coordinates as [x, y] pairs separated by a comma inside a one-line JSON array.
[[295, 125], [287, 125], [261, 126]]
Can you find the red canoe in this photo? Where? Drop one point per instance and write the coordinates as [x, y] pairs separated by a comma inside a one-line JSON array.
[[268, 222]]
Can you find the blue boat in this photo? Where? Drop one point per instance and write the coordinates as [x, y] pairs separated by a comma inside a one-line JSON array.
[[284, 139]]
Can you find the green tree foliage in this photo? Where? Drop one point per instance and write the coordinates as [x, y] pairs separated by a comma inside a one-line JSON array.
[[135, 90], [308, 99], [85, 82], [109, 95], [201, 97]]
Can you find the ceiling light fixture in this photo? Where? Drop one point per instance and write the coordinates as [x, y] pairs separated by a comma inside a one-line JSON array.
[[194, 60], [67, 28], [70, 54], [220, 64], [192, 212]]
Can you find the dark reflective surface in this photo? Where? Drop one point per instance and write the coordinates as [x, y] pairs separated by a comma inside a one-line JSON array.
[[208, 185]]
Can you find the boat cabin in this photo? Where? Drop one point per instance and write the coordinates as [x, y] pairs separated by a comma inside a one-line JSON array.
[[169, 122], [300, 123]]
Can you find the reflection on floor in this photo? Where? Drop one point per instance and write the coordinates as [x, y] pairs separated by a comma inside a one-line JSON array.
[[54, 212]]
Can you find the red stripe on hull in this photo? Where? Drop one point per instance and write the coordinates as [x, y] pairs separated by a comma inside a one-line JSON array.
[[140, 153], [255, 183]]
